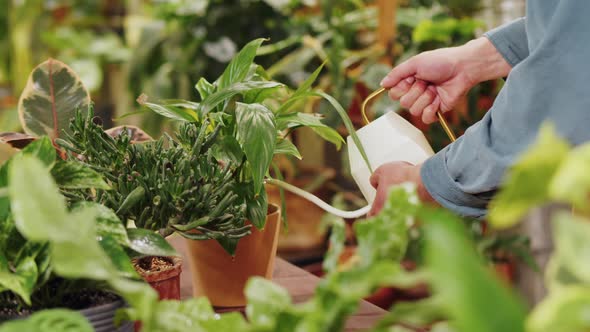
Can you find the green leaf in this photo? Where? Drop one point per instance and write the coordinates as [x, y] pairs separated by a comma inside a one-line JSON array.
[[284, 146], [265, 301], [43, 149], [239, 67], [22, 280], [294, 120], [50, 320], [257, 136], [256, 204], [74, 175], [348, 124], [118, 256], [571, 182], [563, 311], [35, 198], [475, 299], [50, 99], [107, 222], [174, 110], [149, 243], [303, 89], [225, 94], [572, 245], [140, 296], [204, 88], [336, 247], [527, 182]]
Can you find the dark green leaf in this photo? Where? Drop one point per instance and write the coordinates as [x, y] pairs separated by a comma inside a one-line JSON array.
[[225, 94], [118, 257], [149, 243], [74, 175], [238, 68], [257, 136]]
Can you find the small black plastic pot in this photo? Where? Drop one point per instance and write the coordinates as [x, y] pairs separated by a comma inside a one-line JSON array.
[[101, 317]]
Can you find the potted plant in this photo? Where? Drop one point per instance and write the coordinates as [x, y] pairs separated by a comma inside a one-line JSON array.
[[52, 257], [252, 117]]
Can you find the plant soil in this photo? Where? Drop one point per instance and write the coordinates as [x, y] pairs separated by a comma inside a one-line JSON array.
[[10, 308], [152, 264]]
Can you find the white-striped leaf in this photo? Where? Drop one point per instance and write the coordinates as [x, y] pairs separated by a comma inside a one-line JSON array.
[[50, 99]]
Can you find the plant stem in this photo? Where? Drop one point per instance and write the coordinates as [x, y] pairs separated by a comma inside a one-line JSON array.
[[317, 201]]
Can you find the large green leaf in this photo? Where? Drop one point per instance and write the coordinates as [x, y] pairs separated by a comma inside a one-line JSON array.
[[476, 300], [563, 311], [118, 256], [50, 99], [257, 136], [225, 94], [43, 149], [571, 182], [22, 280], [265, 301], [294, 120], [284, 146], [50, 320], [107, 222], [239, 67], [74, 175], [303, 89], [35, 198], [149, 243], [527, 182], [204, 88], [572, 243]]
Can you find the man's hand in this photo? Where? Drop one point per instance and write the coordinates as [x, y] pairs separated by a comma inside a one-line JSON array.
[[436, 80], [392, 174]]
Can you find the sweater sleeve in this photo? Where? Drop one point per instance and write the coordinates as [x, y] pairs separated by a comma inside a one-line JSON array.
[[550, 85], [511, 41]]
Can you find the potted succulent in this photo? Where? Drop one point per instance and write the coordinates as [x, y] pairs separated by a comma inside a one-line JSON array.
[[51, 257], [249, 118]]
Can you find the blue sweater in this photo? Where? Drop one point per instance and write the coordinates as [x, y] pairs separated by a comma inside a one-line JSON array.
[[549, 51]]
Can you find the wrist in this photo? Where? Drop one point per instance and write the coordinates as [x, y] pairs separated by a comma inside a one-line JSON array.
[[481, 61]]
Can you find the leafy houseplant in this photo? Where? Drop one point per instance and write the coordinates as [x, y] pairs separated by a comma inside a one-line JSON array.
[[52, 257], [251, 118]]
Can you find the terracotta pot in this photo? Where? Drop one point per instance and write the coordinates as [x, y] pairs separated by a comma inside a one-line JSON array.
[[221, 277], [166, 281]]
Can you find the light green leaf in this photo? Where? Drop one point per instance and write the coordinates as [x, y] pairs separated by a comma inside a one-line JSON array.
[[572, 235], [303, 89], [74, 175], [35, 198], [50, 320], [225, 94], [204, 88], [475, 299], [50, 99], [257, 136], [563, 311], [107, 222], [238, 68], [75, 260], [118, 256], [172, 110], [265, 301], [22, 280], [149, 243], [140, 296], [336, 247], [571, 182], [294, 120], [284, 146], [527, 182]]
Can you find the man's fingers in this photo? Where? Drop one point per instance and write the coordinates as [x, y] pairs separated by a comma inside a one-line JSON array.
[[400, 89], [429, 114], [422, 102], [410, 98], [377, 204], [406, 69], [374, 179]]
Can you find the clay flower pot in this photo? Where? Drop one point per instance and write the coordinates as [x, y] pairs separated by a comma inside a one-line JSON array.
[[221, 277], [163, 275]]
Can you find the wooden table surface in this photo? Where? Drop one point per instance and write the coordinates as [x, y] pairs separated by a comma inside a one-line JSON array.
[[300, 284]]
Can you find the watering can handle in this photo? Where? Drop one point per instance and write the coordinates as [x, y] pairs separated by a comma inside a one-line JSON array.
[[441, 118]]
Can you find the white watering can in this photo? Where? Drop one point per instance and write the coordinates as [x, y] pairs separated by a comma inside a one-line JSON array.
[[387, 139]]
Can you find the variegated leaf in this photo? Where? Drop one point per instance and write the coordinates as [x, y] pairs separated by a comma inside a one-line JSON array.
[[50, 99]]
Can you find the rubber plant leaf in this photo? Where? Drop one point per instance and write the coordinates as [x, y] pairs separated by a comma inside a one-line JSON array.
[[257, 135], [148, 243], [528, 180], [50, 99], [50, 320]]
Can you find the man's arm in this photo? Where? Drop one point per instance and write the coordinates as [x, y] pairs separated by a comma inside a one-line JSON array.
[[550, 84], [511, 41]]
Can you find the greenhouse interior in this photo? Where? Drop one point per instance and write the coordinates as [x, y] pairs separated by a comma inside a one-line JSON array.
[[294, 165]]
